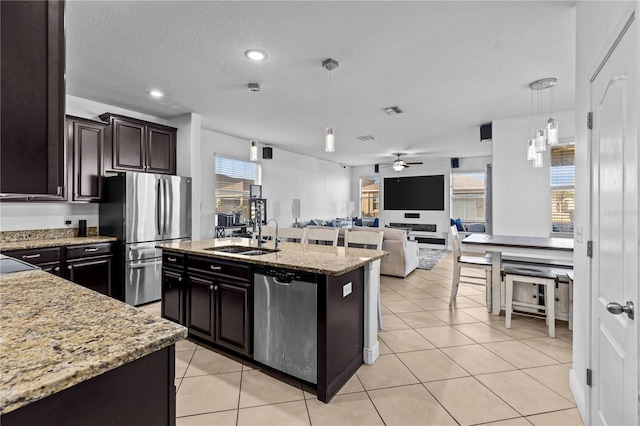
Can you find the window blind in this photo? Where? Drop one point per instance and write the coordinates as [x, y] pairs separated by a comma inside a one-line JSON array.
[[562, 188], [467, 196], [232, 181]]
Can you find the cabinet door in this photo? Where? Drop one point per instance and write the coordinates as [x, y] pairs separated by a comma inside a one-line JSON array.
[[32, 101], [200, 306], [161, 150], [233, 321], [87, 142], [172, 306], [128, 145], [93, 273]]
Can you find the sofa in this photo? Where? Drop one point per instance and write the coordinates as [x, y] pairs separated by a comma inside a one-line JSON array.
[[403, 254]]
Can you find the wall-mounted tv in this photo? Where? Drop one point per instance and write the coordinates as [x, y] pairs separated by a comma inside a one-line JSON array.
[[414, 193]]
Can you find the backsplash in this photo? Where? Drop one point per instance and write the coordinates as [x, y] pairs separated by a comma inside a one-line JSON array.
[[44, 234]]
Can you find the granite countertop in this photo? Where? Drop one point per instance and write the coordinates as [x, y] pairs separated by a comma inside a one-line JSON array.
[[55, 334], [314, 258], [54, 242]]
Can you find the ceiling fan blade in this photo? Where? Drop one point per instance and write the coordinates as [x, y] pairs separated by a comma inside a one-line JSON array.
[[419, 162]]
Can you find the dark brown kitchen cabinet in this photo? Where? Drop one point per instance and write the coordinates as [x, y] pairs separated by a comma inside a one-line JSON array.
[[85, 148], [90, 266], [49, 259], [233, 318], [219, 296], [174, 288], [201, 302], [137, 145], [33, 100]]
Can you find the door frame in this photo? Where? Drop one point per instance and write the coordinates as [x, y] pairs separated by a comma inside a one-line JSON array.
[[616, 35]]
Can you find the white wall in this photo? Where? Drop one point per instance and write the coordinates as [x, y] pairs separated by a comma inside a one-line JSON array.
[[595, 22], [323, 187], [521, 194]]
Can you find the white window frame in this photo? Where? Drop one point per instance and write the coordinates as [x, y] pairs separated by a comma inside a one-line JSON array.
[[360, 198], [553, 188], [257, 181], [484, 195]]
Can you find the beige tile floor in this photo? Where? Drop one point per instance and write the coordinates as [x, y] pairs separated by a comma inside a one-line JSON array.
[[437, 367]]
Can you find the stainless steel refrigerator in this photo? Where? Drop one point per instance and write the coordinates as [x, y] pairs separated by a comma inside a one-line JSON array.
[[143, 210]]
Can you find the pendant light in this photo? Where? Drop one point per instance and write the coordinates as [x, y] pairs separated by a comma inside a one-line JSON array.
[[329, 136], [253, 144], [547, 134]]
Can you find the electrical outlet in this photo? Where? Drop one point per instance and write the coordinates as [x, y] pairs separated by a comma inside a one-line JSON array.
[[67, 220]]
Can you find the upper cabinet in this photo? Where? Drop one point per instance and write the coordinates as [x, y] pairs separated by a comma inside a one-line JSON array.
[[85, 147], [32, 102], [138, 145]]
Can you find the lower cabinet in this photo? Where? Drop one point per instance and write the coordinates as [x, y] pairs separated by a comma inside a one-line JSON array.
[[213, 299], [173, 295], [88, 264], [201, 302]]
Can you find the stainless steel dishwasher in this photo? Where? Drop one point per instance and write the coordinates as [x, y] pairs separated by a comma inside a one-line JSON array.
[[285, 332]]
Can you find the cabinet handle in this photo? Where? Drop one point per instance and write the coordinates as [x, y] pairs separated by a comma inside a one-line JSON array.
[[69, 267], [211, 287], [31, 256], [215, 288], [179, 279], [57, 269], [76, 196], [89, 250], [171, 259], [216, 268]]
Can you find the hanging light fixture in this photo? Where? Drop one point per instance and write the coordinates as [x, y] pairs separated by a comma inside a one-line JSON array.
[[329, 136], [253, 144], [548, 132]]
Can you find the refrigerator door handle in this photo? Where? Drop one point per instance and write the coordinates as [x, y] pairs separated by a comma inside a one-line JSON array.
[[159, 202], [145, 264], [167, 206]]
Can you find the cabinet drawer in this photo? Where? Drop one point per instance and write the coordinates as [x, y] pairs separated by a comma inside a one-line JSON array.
[[172, 260], [214, 266], [87, 250], [36, 256]]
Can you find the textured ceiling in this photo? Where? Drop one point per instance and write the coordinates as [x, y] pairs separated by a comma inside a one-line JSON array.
[[450, 65]]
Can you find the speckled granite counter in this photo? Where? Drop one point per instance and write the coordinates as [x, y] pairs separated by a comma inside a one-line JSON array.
[[314, 258], [54, 242], [55, 334]]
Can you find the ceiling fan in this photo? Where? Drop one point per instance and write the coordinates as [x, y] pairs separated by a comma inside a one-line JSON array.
[[399, 164]]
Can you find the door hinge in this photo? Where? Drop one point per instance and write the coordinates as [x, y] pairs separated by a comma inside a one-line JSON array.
[[590, 249], [589, 377], [590, 120]]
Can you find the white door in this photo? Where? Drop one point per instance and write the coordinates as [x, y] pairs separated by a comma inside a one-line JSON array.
[[614, 348]]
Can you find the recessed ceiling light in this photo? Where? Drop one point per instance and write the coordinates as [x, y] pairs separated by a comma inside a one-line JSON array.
[[156, 93], [255, 54]]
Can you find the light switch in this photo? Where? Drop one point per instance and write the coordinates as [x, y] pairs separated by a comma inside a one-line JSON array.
[[347, 289]]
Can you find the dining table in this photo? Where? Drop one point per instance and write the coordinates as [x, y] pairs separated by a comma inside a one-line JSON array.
[[554, 251]]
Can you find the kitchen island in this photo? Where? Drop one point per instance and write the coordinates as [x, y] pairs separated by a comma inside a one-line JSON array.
[[72, 356], [215, 287]]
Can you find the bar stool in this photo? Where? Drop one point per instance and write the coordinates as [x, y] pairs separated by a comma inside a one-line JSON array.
[[532, 275]]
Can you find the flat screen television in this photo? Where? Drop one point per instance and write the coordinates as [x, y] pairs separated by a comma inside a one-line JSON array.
[[414, 193]]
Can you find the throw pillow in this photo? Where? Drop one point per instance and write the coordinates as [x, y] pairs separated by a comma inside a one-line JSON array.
[[376, 223], [458, 222]]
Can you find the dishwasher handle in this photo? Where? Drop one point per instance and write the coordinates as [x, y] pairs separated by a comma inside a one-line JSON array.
[[283, 280]]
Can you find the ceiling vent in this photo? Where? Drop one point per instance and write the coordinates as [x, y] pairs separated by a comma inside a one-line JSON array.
[[393, 110], [367, 138], [254, 87]]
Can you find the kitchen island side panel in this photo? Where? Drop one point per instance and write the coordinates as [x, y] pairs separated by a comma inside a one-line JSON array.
[[139, 393], [340, 330]]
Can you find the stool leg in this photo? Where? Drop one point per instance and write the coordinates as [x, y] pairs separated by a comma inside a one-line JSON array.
[[508, 301], [550, 299], [454, 284], [488, 289]]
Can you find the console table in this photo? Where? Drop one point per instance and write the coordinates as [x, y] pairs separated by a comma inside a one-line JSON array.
[[424, 235]]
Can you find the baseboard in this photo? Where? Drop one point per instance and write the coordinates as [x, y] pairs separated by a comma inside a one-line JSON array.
[[578, 394], [369, 355]]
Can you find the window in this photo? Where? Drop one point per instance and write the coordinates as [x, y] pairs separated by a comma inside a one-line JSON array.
[[370, 197], [467, 196], [233, 181], [563, 173]]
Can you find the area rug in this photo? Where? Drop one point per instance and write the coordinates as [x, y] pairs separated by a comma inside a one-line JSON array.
[[428, 258]]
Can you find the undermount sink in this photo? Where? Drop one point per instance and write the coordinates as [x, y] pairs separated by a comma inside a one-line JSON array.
[[245, 251]]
